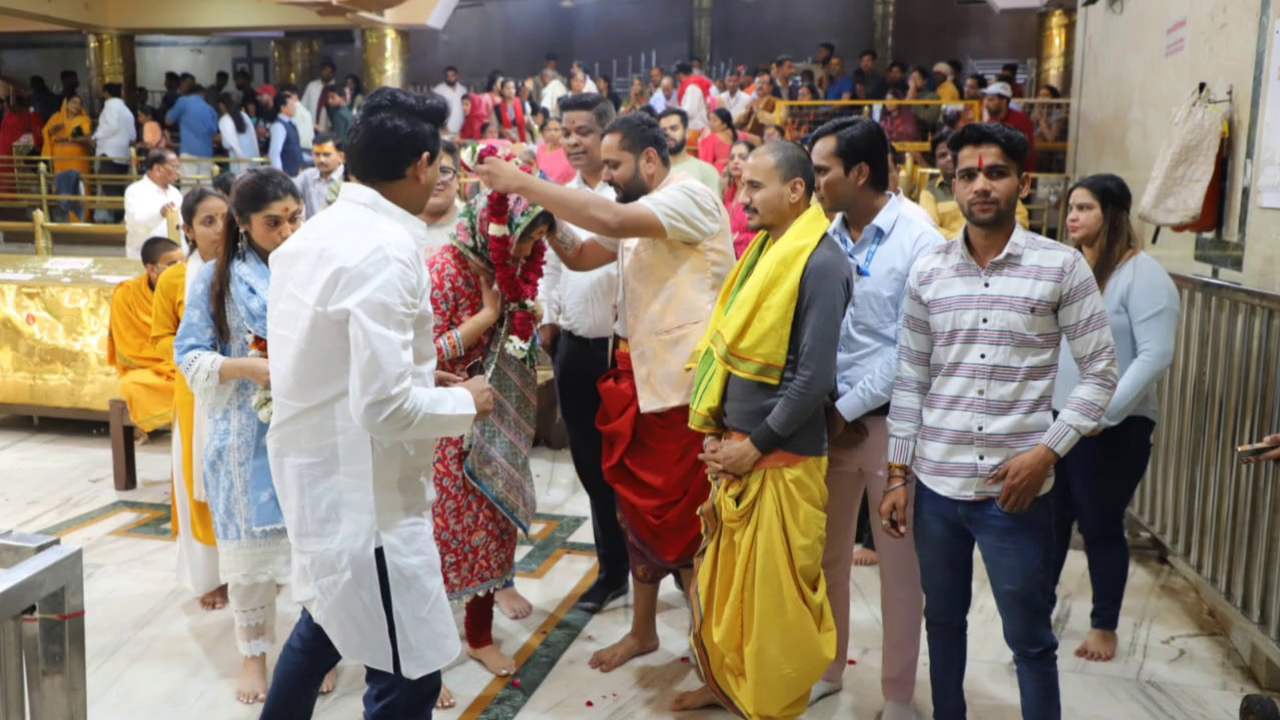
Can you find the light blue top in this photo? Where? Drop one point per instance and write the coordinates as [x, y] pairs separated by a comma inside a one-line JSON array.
[[1145, 310], [197, 123], [882, 258]]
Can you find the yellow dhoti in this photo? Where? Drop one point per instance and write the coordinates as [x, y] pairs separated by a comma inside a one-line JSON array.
[[146, 376], [763, 632], [149, 395]]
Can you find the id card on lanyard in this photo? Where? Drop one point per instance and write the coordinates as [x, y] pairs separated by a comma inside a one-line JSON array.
[[864, 267]]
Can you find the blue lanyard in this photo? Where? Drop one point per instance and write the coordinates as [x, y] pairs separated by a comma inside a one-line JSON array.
[[864, 267]]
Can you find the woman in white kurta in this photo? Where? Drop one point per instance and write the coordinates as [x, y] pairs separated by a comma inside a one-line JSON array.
[[223, 328]]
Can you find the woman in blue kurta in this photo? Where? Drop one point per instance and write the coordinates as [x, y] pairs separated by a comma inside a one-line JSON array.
[[221, 350]]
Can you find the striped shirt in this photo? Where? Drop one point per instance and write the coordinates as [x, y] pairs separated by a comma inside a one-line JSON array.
[[978, 355]]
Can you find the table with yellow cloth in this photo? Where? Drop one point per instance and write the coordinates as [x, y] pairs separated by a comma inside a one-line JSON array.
[[55, 314]]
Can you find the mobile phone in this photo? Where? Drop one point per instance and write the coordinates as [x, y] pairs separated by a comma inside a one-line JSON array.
[[1254, 450]]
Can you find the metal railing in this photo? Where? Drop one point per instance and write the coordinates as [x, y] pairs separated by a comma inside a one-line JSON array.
[[1216, 516], [42, 651]]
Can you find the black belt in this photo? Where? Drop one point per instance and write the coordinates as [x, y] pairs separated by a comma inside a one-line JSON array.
[[881, 411]]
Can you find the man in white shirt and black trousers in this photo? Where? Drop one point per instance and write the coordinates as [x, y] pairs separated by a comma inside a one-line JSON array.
[[356, 410], [115, 135], [578, 314]]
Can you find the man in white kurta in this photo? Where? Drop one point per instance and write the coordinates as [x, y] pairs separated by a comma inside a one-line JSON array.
[[149, 201], [352, 438]]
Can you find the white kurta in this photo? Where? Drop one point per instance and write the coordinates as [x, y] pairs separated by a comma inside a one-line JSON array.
[[352, 438], [143, 201]]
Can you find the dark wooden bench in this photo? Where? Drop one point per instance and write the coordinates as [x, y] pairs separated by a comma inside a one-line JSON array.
[[124, 465]]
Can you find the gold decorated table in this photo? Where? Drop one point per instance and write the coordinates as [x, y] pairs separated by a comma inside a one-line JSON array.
[[54, 317]]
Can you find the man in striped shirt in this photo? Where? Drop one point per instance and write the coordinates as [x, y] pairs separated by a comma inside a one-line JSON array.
[[971, 416]]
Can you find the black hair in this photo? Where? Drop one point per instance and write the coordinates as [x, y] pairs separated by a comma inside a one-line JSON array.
[[648, 110], [922, 71], [38, 83], [675, 112], [957, 66], [395, 128], [684, 68], [323, 137], [327, 63], [1054, 92], [1117, 238], [484, 127], [334, 89], [806, 73], [187, 76], [552, 57], [898, 65], [69, 74], [436, 109], [1010, 141], [602, 111], [229, 103], [158, 156], [156, 247], [859, 140], [359, 85], [171, 75], [869, 53], [450, 68], [494, 77], [938, 139], [281, 99], [727, 118], [113, 89], [639, 132], [222, 74], [222, 183], [829, 47], [782, 60], [1010, 69], [253, 191], [448, 148], [191, 203], [242, 73], [980, 78], [792, 162]]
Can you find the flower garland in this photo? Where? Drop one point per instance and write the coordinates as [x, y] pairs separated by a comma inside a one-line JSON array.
[[262, 397], [518, 285]]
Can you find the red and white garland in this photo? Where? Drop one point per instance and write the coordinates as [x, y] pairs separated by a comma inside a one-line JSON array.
[[518, 284]]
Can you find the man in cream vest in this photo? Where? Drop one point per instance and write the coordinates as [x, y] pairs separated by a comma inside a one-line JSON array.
[[670, 236]]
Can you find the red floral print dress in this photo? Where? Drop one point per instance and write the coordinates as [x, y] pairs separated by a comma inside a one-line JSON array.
[[477, 542]]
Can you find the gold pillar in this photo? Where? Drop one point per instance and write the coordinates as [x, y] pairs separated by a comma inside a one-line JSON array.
[[884, 13], [294, 60], [386, 58], [111, 60], [1056, 54]]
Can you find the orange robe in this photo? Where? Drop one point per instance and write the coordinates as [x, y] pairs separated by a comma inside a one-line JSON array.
[[146, 377]]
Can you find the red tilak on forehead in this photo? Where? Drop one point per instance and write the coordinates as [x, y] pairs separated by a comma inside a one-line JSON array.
[[980, 163]]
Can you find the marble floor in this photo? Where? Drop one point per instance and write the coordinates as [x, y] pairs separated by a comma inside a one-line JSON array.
[[152, 653]]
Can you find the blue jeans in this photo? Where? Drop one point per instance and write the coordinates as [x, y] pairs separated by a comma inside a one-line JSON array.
[[309, 655], [1096, 481], [1018, 551]]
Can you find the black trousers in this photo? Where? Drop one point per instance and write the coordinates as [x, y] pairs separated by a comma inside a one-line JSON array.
[[579, 364], [107, 167]]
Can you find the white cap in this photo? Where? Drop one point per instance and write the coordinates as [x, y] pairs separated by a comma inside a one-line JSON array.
[[945, 69], [999, 88]]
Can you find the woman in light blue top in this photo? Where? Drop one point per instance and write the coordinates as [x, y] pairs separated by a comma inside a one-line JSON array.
[[1097, 479], [221, 350]]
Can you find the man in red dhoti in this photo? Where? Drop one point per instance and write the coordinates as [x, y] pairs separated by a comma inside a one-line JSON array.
[[672, 266]]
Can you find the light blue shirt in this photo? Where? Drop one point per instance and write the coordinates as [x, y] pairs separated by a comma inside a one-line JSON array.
[[197, 123], [1145, 309], [882, 258]]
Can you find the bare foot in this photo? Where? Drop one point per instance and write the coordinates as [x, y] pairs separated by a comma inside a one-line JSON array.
[[696, 700], [863, 557], [1099, 646], [617, 654], [252, 687], [214, 599], [445, 701], [513, 604], [330, 682], [140, 438], [493, 660]]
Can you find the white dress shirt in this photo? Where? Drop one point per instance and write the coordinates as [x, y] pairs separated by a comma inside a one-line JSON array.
[[116, 131], [314, 101], [453, 96], [551, 95], [142, 219], [695, 104], [306, 124], [581, 303], [736, 103], [867, 360], [352, 437], [978, 356]]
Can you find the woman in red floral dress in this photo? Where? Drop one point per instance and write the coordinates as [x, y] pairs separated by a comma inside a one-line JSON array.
[[476, 538]]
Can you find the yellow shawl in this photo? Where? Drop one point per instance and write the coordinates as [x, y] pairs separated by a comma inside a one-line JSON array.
[[752, 340]]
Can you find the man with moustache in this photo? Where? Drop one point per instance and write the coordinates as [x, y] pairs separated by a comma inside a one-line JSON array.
[[671, 269], [880, 240], [765, 369], [453, 92], [577, 328]]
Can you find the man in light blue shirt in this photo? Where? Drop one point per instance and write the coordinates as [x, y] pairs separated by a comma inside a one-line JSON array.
[[882, 242], [197, 123]]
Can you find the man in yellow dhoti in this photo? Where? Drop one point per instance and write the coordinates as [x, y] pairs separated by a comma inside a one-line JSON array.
[[763, 630], [146, 378]]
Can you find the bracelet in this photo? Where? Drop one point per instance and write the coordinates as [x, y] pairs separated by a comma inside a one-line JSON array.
[[904, 469], [897, 486]]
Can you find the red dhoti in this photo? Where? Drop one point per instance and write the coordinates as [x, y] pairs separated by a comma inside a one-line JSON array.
[[651, 460]]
